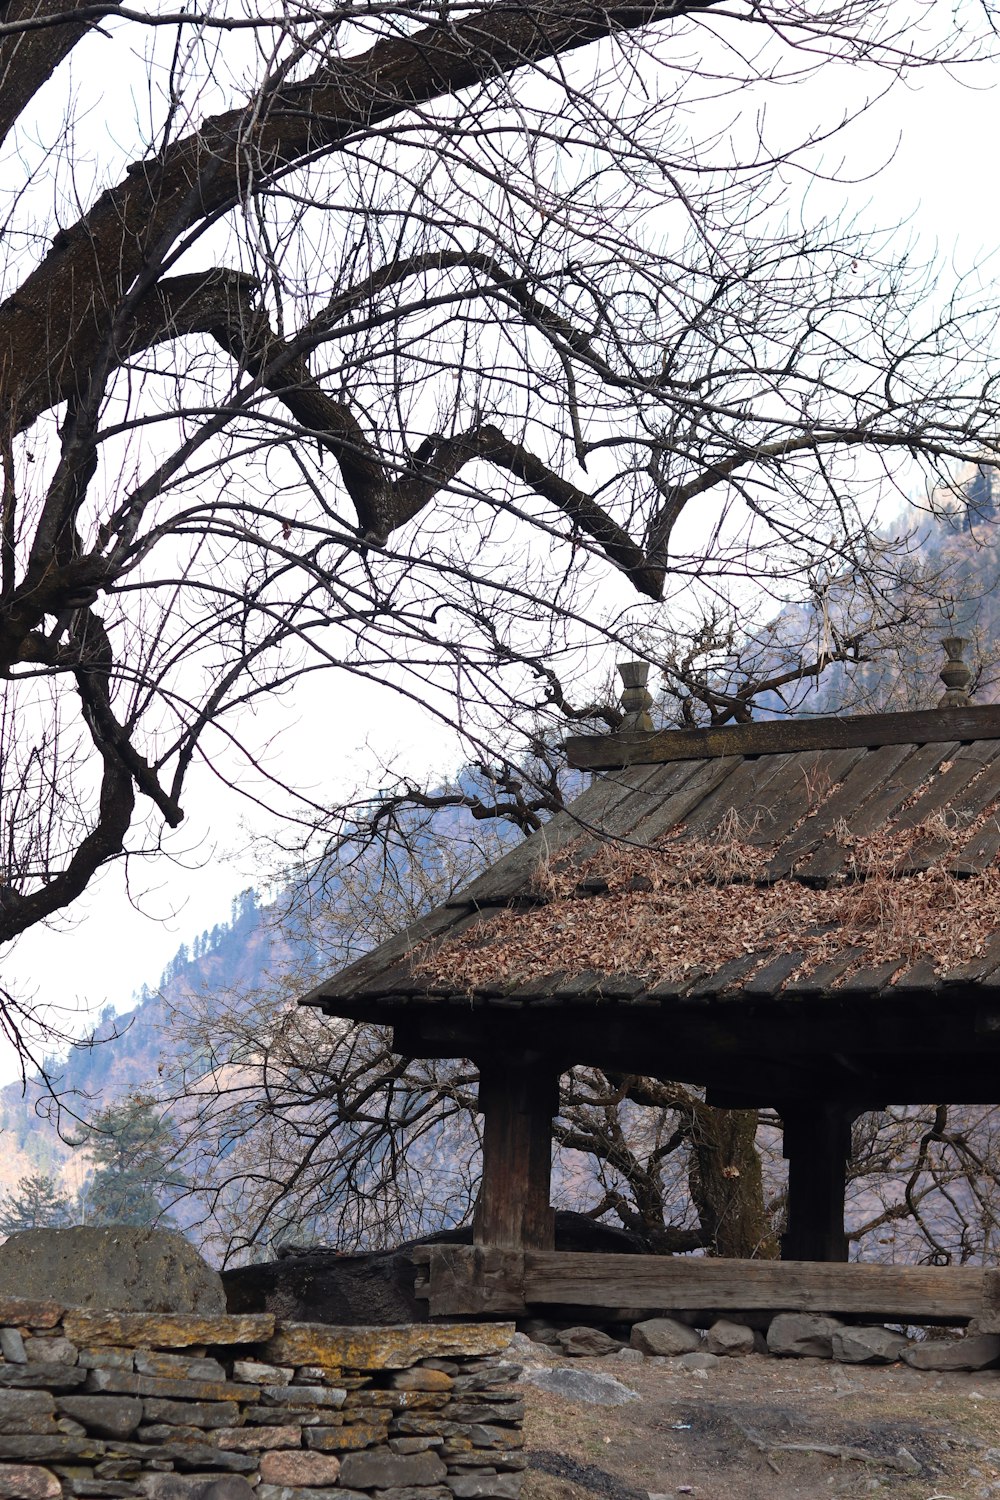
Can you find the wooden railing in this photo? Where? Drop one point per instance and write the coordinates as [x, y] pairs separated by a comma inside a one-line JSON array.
[[462, 1280]]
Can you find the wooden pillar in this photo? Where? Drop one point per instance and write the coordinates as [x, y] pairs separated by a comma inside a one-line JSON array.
[[817, 1144], [517, 1098]]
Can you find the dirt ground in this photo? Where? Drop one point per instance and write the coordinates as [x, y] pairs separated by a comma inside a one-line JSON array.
[[760, 1428]]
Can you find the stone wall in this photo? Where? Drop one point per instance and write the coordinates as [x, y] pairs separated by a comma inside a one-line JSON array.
[[186, 1407]]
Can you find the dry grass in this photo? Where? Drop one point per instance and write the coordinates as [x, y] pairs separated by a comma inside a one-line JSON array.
[[688, 904]]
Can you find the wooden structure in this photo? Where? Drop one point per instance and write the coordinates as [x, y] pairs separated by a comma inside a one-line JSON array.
[[769, 1024]]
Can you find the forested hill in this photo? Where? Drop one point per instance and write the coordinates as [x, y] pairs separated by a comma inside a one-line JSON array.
[[128, 1047], [277, 950]]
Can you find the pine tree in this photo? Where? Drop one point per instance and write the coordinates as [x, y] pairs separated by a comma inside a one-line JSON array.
[[36, 1203], [133, 1149]]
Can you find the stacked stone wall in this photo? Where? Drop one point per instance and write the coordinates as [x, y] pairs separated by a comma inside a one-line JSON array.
[[186, 1407]]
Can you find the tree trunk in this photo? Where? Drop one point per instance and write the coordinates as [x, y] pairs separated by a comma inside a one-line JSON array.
[[727, 1186]]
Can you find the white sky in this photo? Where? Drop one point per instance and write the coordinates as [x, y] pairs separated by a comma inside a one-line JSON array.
[[941, 179]]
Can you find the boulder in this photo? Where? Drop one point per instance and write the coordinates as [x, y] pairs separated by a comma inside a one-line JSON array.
[[582, 1385], [867, 1346], [802, 1335], [698, 1359], [587, 1342], [664, 1336], [975, 1353], [725, 1337], [119, 1268]]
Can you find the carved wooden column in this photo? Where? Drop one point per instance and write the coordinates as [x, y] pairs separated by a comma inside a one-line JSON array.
[[518, 1098], [817, 1144]]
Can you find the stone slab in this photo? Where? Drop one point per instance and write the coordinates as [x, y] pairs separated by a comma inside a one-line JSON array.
[[166, 1330], [104, 1416], [258, 1439], [41, 1377], [203, 1414], [391, 1348], [300, 1395], [581, 1385], [299, 1468], [176, 1366], [121, 1266], [30, 1312], [379, 1469], [27, 1482], [122, 1383], [51, 1350]]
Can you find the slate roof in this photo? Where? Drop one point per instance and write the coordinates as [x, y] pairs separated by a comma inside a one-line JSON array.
[[810, 824]]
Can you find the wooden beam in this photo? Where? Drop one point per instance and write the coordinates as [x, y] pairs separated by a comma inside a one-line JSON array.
[[518, 1096], [784, 736], [817, 1144], [689, 1283]]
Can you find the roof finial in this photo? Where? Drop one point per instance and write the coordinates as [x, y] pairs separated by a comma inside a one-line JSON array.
[[635, 700], [955, 675]]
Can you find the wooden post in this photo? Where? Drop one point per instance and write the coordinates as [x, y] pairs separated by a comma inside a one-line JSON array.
[[518, 1098], [817, 1143]]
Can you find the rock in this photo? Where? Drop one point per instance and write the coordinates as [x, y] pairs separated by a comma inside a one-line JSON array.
[[698, 1359], [27, 1482], [51, 1351], [627, 1356], [976, 1353], [256, 1373], [727, 1338], [416, 1492], [56, 1449], [302, 1395], [417, 1379], [177, 1366], [195, 1487], [28, 1312], [485, 1486], [254, 1439], [299, 1468], [285, 1492], [583, 1341], [105, 1416], [16, 1406], [204, 1414], [12, 1346], [508, 1411], [382, 1470], [161, 1330], [802, 1335], [46, 1377], [120, 1267], [867, 1346], [664, 1336], [107, 1359], [383, 1348], [582, 1385], [342, 1440], [540, 1331]]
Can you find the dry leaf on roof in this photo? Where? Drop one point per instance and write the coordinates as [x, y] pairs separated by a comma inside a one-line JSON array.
[[689, 904]]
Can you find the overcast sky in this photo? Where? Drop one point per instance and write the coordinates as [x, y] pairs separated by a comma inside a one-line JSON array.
[[941, 134]]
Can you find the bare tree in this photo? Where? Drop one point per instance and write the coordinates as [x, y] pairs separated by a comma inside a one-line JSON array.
[[459, 315]]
